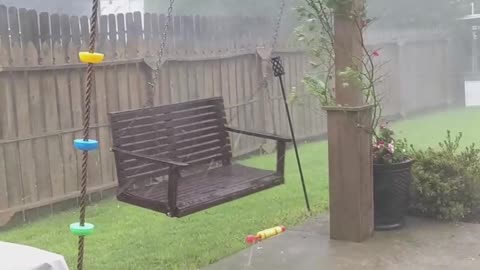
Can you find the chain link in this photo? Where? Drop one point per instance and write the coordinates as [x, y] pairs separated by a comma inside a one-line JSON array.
[[276, 31], [161, 51], [153, 83], [262, 82]]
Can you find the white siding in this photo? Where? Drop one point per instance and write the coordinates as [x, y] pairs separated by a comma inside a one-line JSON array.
[[121, 6]]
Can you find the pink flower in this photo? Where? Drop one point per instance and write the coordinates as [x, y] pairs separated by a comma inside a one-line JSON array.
[[376, 53], [364, 24], [391, 148]]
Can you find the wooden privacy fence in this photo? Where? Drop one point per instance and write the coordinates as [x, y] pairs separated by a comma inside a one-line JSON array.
[[42, 85], [417, 69]]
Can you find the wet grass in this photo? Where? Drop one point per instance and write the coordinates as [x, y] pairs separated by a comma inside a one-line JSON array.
[[132, 238], [429, 130]]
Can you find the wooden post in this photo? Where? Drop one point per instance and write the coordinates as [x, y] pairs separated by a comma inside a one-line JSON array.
[[350, 162], [348, 53]]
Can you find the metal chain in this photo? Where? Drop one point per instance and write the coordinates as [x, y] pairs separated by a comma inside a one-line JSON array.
[[276, 31], [86, 131], [160, 54], [152, 84], [261, 84]]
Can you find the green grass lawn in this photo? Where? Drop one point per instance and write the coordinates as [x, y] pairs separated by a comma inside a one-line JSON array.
[[132, 238], [429, 130]]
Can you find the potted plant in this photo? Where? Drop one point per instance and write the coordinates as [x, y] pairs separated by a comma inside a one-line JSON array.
[[392, 176]]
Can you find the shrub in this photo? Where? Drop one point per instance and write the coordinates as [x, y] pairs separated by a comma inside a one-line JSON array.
[[446, 180]]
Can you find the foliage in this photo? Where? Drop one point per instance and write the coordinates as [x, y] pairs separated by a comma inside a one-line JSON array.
[[387, 150], [338, 4], [316, 32], [446, 180], [317, 87]]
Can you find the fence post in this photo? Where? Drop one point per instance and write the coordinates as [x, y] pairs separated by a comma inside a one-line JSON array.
[[451, 79], [403, 88]]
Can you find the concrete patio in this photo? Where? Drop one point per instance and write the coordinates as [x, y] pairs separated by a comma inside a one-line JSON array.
[[421, 245]]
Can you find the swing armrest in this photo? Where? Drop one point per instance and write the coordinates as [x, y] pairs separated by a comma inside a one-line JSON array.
[[281, 145], [263, 135], [148, 158]]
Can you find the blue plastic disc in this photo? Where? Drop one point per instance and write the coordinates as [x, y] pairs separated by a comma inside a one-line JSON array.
[[82, 145]]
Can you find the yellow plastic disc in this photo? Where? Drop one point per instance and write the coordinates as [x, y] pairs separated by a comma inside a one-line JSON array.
[[91, 58]]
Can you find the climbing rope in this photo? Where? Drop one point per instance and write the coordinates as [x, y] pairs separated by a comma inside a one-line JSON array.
[[82, 229], [85, 145]]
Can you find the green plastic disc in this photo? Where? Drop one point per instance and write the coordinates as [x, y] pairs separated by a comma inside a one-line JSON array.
[[85, 230]]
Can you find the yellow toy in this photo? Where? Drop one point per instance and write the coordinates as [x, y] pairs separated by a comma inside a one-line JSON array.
[[265, 234], [91, 58]]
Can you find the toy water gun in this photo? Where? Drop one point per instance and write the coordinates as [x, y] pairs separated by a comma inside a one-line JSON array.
[[265, 234]]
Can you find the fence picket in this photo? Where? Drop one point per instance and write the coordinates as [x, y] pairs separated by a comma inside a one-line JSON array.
[[63, 103], [23, 112], [102, 107], [8, 195], [122, 71], [52, 121], [42, 182]]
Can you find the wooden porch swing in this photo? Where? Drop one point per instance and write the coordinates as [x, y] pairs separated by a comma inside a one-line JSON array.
[[177, 159]]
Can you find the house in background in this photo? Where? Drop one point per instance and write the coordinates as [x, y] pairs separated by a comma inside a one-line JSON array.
[[69, 7], [121, 6], [77, 7]]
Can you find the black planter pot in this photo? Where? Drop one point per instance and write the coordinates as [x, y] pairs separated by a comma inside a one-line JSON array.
[[391, 194]]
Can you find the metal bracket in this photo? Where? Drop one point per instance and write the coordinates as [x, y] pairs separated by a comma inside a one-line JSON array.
[[265, 54], [151, 62]]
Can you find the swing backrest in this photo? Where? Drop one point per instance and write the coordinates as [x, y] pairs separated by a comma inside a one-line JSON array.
[[192, 132]]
